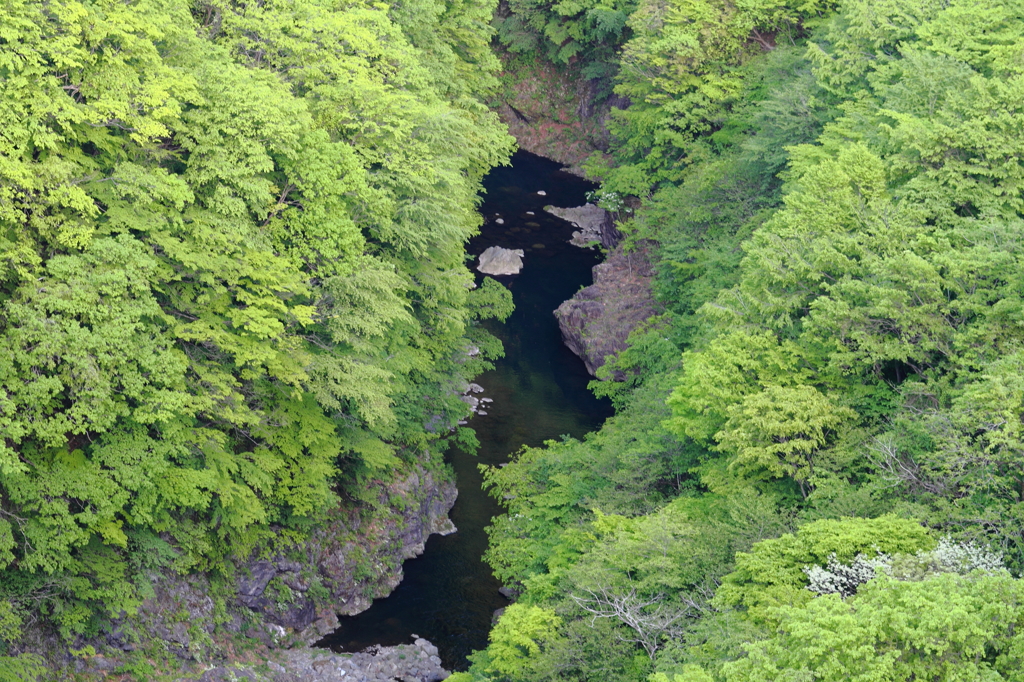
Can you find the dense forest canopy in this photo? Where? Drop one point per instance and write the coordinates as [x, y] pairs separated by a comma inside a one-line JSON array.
[[232, 276], [815, 467], [234, 297]]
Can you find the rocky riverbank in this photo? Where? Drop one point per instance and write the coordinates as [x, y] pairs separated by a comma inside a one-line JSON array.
[[260, 624], [596, 322], [417, 662]]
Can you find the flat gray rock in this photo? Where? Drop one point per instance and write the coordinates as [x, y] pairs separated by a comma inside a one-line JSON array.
[[594, 222], [498, 261]]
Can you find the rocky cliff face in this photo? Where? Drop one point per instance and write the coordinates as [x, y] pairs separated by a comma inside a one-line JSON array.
[[350, 561], [277, 606], [557, 115], [596, 322], [359, 569], [417, 662]]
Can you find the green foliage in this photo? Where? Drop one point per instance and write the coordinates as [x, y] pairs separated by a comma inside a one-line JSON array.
[[233, 286], [878, 284], [521, 632], [10, 622], [22, 668], [568, 30], [630, 466], [618, 583], [943, 628], [683, 69], [772, 575], [232, 273], [782, 429], [831, 192]]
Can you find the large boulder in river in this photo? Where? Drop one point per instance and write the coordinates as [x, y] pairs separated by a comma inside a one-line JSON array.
[[498, 261], [596, 322], [595, 223]]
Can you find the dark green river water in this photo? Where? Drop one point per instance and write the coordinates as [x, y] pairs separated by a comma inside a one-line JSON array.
[[540, 392]]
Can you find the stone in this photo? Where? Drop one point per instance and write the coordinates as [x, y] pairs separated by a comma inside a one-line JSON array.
[[499, 261], [260, 573], [595, 223], [443, 526], [101, 663], [376, 664], [500, 221], [557, 115], [542, 193], [179, 634], [224, 674], [597, 320]]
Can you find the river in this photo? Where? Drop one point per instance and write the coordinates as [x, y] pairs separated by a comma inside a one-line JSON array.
[[539, 391]]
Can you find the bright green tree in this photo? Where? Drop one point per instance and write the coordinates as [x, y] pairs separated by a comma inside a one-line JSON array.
[[947, 627]]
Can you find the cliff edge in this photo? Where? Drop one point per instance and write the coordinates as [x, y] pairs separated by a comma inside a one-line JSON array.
[[596, 322]]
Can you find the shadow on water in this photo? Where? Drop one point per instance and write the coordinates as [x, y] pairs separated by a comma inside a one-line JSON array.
[[539, 391]]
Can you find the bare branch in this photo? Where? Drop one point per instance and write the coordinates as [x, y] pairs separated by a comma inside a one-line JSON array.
[[651, 619]]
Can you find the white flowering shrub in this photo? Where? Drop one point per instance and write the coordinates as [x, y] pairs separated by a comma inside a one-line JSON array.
[[844, 579], [949, 556], [966, 557], [609, 201]]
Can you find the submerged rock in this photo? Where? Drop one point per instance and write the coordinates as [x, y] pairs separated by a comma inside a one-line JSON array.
[[498, 261], [596, 322]]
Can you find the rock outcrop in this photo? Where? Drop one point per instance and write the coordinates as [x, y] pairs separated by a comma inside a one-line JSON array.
[[417, 662], [498, 261], [595, 224], [558, 114], [596, 322], [281, 604], [350, 560]]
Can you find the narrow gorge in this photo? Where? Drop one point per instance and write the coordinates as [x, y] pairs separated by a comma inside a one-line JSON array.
[[537, 392]]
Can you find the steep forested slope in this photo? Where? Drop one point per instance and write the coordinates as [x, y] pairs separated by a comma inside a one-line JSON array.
[[232, 277], [834, 195], [234, 300]]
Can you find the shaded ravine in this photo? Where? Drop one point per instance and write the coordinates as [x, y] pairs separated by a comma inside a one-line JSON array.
[[539, 391]]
